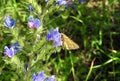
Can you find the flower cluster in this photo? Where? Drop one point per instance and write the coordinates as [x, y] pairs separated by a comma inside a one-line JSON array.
[[40, 77], [10, 52], [55, 36], [33, 23], [9, 23]]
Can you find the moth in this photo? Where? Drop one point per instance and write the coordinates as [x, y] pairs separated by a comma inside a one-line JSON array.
[[68, 43]]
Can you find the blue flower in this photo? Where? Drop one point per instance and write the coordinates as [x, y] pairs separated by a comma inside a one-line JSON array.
[[9, 23], [55, 36], [52, 78], [61, 2], [66, 3], [33, 23], [38, 77], [30, 8], [10, 52]]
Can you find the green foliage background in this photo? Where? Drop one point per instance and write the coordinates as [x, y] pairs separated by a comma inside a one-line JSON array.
[[93, 25]]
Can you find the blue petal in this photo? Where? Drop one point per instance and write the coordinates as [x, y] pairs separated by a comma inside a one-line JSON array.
[[39, 77], [52, 78], [57, 43], [36, 23], [49, 36], [61, 2], [33, 77], [6, 48], [9, 23], [9, 52], [13, 22], [55, 36]]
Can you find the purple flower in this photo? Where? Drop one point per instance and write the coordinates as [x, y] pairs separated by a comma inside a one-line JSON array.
[[9, 23], [33, 23], [61, 2], [52, 78], [30, 8], [38, 77], [10, 52], [55, 36], [64, 2]]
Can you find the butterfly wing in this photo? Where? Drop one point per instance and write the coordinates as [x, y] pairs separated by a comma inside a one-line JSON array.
[[68, 44]]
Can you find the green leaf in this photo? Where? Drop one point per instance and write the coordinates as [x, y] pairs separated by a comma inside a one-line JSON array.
[[77, 19], [111, 1], [16, 60]]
